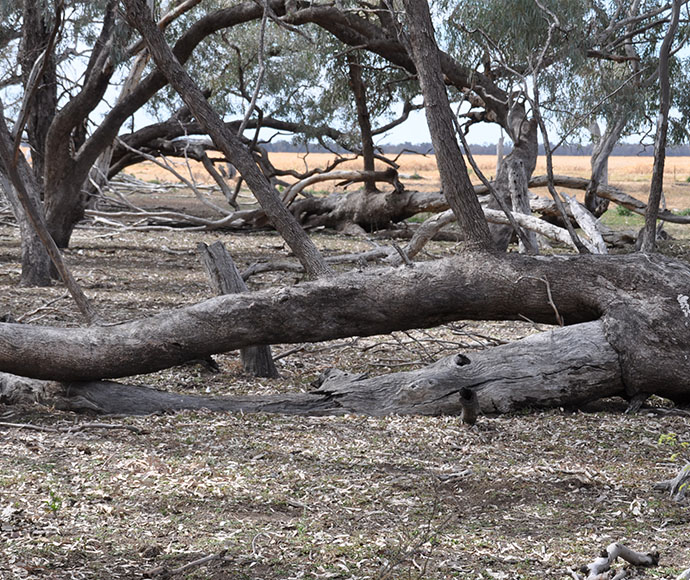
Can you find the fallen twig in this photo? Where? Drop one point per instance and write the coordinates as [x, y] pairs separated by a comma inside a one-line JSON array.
[[163, 572], [600, 568], [41, 308], [678, 486]]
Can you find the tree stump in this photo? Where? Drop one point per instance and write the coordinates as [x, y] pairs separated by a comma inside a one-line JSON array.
[[225, 278]]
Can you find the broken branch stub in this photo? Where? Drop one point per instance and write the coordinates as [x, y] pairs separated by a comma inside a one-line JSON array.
[[226, 279]]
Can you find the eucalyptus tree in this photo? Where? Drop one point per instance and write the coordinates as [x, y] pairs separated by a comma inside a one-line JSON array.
[[88, 48], [304, 80], [598, 65]]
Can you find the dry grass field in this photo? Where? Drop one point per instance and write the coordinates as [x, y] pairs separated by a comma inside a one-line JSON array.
[[631, 174]]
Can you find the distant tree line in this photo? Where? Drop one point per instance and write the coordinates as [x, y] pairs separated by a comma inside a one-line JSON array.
[[622, 149]]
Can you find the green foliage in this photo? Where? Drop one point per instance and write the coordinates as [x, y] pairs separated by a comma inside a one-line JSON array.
[[506, 39], [674, 441], [54, 502], [623, 211], [305, 78], [514, 33]]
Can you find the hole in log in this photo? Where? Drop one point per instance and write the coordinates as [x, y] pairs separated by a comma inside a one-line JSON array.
[[461, 360]]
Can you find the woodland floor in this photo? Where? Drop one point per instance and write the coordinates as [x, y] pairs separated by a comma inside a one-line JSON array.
[[521, 496]]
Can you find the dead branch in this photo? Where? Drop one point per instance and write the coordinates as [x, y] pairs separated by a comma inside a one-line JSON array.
[[600, 569], [608, 192], [678, 486], [191, 183], [294, 190], [72, 428], [163, 572], [41, 308], [589, 224]]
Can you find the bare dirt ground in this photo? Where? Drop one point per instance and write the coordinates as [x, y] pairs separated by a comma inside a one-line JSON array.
[[521, 496]]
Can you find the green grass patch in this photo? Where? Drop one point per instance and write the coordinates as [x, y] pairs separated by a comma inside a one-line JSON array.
[[419, 218], [622, 217]]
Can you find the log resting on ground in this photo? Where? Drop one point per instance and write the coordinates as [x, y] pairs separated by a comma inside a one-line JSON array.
[[528, 373], [371, 211], [639, 303]]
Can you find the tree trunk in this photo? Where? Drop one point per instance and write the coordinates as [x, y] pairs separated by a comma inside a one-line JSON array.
[[519, 197], [65, 204], [656, 188], [368, 211], [35, 37], [499, 153], [603, 146], [640, 301], [229, 144], [226, 279], [457, 186], [36, 264], [35, 259], [580, 363], [515, 170], [360, 96]]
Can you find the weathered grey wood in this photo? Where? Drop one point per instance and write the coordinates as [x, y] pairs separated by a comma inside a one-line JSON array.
[[226, 279], [107, 397], [519, 196], [641, 301], [589, 225], [598, 569], [678, 486], [608, 192], [580, 365]]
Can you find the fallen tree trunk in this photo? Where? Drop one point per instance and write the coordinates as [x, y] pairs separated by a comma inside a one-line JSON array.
[[641, 302], [607, 192], [367, 211], [580, 364], [340, 211]]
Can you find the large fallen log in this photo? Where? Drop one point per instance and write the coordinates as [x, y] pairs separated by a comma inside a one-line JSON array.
[[640, 303], [580, 365], [607, 192]]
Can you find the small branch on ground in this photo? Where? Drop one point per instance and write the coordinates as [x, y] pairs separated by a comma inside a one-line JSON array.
[[41, 308], [72, 428], [678, 486], [163, 572], [596, 570]]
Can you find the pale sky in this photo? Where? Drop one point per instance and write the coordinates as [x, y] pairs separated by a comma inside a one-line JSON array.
[[415, 130]]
